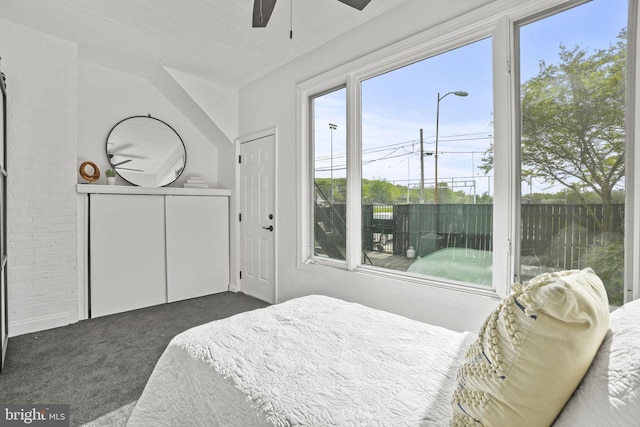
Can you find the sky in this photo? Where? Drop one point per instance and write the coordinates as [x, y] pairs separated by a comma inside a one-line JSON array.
[[396, 105]]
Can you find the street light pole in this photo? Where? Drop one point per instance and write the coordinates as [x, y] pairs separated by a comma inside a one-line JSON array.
[[332, 127], [421, 167], [440, 98]]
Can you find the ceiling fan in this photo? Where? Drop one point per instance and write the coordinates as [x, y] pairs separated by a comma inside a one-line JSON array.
[[262, 9], [117, 165]]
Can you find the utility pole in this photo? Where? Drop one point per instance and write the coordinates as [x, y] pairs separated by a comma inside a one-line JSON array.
[[332, 127], [421, 167], [409, 178]]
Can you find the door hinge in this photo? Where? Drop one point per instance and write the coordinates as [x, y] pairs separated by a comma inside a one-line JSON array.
[[239, 159], [240, 217], [240, 274]]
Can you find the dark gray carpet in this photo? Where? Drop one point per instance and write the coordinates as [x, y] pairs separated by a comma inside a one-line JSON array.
[[100, 366]]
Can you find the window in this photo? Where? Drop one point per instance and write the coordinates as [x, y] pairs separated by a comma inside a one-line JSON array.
[[329, 174], [426, 205], [572, 83], [441, 191]]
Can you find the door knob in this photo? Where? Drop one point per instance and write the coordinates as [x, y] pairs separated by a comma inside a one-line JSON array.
[[270, 228]]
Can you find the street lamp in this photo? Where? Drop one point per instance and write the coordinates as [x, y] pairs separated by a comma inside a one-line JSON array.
[[332, 127], [440, 98]]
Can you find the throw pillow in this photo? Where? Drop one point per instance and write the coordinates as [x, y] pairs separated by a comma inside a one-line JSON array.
[[532, 351]]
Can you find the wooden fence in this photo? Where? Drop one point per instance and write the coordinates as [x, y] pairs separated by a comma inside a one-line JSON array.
[[555, 235], [560, 235]]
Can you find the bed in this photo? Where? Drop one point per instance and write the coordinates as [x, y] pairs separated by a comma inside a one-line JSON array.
[[320, 361], [324, 364]]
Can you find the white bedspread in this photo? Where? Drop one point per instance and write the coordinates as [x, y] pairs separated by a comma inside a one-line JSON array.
[[312, 361]]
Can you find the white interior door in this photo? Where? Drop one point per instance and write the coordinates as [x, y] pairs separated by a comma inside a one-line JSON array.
[[258, 217]]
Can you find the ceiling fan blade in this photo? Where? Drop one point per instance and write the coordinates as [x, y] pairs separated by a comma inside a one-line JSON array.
[[132, 156], [358, 4], [128, 169], [262, 12], [110, 147], [121, 163]]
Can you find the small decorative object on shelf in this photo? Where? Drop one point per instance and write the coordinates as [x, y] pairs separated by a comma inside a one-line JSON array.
[[111, 177], [89, 176], [196, 182]]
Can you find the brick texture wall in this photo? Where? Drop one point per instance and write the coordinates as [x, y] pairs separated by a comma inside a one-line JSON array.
[[42, 86]]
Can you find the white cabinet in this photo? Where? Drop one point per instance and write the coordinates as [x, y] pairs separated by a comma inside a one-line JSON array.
[[127, 252], [197, 246], [149, 249]]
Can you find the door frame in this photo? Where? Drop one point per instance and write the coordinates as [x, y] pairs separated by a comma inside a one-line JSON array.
[[236, 284]]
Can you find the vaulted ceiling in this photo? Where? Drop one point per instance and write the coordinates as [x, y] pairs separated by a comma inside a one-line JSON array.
[[212, 39]]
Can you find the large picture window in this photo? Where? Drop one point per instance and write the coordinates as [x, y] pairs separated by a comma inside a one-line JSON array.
[[426, 204], [572, 83], [497, 154]]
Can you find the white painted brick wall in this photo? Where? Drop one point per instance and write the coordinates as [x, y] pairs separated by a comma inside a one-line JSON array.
[[42, 86]]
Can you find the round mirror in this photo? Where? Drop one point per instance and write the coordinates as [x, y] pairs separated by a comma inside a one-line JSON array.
[[146, 151]]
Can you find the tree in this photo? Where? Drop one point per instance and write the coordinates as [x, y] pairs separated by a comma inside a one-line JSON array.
[[573, 124]]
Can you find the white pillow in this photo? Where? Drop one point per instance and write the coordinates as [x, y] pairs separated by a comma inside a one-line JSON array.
[[609, 394]]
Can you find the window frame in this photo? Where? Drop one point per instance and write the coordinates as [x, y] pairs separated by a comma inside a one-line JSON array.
[[501, 25], [632, 155], [311, 160], [632, 179]]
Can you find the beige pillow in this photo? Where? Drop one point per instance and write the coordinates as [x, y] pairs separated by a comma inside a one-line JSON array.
[[532, 351]]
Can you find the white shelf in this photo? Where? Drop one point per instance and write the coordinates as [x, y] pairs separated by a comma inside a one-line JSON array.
[[127, 189]]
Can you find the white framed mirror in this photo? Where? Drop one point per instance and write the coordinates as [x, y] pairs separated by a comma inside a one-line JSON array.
[[146, 151]]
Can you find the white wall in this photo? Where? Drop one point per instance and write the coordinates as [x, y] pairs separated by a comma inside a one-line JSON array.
[[219, 102], [60, 111], [271, 102], [106, 96], [42, 88]]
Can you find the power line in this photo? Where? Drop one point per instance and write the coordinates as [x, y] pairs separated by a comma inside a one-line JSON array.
[[391, 149], [404, 144], [374, 149]]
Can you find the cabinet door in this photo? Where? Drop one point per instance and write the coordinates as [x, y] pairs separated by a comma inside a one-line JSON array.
[[197, 246], [127, 252]]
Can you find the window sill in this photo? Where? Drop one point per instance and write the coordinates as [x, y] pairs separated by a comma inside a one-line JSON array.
[[403, 279]]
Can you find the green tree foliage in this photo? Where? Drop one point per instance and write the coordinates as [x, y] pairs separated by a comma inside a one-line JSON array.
[[339, 189], [573, 124], [379, 191], [608, 263]]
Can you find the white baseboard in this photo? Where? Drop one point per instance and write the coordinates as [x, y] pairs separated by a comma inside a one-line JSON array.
[[234, 287], [38, 324]]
